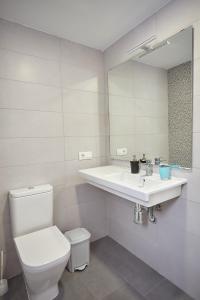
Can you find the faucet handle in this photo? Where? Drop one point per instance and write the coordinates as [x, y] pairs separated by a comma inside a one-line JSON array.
[[148, 162], [158, 160]]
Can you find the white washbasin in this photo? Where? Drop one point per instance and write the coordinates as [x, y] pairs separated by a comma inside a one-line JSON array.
[[121, 182]]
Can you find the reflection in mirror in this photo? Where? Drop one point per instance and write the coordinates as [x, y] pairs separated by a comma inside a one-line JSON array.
[[150, 102]]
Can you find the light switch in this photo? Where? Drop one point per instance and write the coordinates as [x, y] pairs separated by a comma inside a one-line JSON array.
[[122, 151], [85, 155]]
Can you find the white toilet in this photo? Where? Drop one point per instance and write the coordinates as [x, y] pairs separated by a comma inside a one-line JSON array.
[[42, 248]]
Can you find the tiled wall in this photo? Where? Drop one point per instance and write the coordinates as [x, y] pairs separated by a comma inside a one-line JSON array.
[[52, 106], [172, 246], [37, 146], [138, 110], [180, 114]]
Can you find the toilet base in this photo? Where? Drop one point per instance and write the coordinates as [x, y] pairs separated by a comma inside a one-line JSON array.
[[49, 294]]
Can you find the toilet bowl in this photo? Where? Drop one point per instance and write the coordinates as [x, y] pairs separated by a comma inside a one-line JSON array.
[[43, 255], [42, 249]]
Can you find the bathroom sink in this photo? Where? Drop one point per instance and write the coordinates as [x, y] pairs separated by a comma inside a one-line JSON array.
[[145, 190]]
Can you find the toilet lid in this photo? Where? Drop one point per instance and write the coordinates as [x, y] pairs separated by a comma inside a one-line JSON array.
[[42, 247]]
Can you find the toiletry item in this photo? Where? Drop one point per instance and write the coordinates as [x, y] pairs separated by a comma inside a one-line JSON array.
[[143, 160], [134, 165], [3, 282], [149, 168], [165, 172]]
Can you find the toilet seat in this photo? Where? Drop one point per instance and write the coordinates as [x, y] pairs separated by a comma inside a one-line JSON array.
[[40, 250]]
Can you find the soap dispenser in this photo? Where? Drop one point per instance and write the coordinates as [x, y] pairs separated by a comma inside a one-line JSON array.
[[134, 165], [143, 160]]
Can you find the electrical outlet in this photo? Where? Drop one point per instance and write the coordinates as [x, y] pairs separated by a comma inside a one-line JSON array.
[[85, 155], [122, 151]]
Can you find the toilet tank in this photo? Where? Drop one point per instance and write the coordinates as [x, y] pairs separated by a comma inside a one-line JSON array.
[[31, 209]]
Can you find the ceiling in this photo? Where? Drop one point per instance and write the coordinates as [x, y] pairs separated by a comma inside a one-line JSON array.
[[178, 51], [94, 23]]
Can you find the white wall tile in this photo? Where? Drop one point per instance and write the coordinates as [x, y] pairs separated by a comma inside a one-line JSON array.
[[196, 40], [84, 208], [77, 54], [67, 217], [14, 177], [149, 108], [149, 82], [192, 218], [21, 123], [81, 67], [196, 113], [196, 150], [74, 145], [122, 125], [144, 110], [120, 82], [71, 172], [151, 125], [103, 125], [31, 151], [84, 125], [23, 95], [119, 105], [81, 78], [92, 216], [121, 141], [28, 68], [83, 102], [79, 125], [32, 143], [101, 146], [72, 167], [190, 278], [155, 145], [102, 161], [177, 235], [28, 41], [191, 190]]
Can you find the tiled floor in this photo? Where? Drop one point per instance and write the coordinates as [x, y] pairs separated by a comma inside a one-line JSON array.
[[113, 274]]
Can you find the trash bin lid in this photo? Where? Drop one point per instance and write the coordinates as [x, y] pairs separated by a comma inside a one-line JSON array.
[[77, 235]]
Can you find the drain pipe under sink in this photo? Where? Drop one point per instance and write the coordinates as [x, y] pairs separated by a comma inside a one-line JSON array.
[[139, 211], [138, 214]]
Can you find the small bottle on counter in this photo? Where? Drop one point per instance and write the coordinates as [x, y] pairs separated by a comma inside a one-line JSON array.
[[135, 165], [143, 160]]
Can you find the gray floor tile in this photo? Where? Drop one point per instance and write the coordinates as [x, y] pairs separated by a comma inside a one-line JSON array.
[[125, 293], [100, 279], [16, 289], [142, 278], [131, 269], [113, 274], [167, 291], [72, 288]]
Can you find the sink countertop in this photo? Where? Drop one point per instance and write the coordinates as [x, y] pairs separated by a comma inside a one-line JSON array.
[[120, 181]]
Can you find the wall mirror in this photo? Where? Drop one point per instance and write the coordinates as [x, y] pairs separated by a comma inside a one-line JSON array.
[[150, 102]]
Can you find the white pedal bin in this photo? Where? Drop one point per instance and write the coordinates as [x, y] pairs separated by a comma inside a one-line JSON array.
[[79, 239]]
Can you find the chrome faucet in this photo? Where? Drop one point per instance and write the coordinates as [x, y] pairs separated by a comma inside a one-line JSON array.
[[158, 160], [142, 180]]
